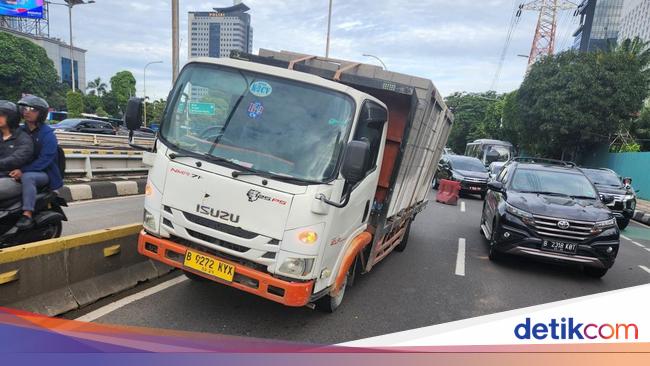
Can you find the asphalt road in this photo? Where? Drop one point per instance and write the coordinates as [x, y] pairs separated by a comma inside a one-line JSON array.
[[101, 214], [422, 286]]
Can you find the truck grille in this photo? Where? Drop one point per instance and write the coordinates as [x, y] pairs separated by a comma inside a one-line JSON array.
[[548, 227], [236, 231]]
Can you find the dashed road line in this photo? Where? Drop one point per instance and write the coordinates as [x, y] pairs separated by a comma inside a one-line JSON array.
[[460, 258], [633, 242], [644, 268], [462, 206]]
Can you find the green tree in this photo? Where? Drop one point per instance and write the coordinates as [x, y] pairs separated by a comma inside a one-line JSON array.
[[571, 101], [75, 102], [101, 112], [155, 110], [25, 68], [91, 103], [123, 87], [470, 120], [110, 104], [97, 87]]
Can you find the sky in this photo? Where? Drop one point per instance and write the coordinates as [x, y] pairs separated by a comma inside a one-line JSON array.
[[455, 43]]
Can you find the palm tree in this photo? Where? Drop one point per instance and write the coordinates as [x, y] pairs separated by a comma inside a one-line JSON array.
[[97, 87]]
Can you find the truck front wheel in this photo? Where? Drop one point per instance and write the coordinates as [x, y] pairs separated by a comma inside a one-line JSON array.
[[328, 303]]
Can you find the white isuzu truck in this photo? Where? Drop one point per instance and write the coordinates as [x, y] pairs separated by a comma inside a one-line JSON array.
[[286, 175]]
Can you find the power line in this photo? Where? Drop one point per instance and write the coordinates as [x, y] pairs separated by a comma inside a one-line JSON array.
[[514, 20]]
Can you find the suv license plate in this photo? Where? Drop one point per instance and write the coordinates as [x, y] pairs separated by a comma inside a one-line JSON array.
[[474, 188], [560, 247]]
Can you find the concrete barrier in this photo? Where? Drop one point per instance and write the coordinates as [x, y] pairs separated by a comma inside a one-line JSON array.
[[54, 276]]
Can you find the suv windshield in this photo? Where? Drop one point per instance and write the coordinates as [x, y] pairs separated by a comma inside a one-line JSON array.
[[259, 122], [69, 122], [473, 165], [503, 151], [552, 182], [603, 177]]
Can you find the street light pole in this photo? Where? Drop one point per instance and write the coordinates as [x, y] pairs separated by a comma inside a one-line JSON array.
[[144, 87], [376, 58], [329, 25], [70, 4]]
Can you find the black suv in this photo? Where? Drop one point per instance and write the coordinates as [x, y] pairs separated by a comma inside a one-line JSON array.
[[549, 210], [470, 172], [607, 182]]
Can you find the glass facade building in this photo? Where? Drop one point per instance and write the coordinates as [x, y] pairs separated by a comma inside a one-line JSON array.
[[217, 33], [636, 20], [600, 23]]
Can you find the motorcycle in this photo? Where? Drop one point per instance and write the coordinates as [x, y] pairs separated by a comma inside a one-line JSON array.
[[48, 217]]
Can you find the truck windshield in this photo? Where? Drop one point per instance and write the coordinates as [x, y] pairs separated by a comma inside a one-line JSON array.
[[260, 122], [503, 151]]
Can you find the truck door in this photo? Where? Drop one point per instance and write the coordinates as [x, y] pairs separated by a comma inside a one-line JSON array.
[[352, 219]]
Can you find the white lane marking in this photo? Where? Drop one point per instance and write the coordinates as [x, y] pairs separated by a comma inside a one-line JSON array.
[[633, 242], [644, 268], [648, 249], [98, 313], [460, 257], [99, 200], [639, 223], [462, 206]]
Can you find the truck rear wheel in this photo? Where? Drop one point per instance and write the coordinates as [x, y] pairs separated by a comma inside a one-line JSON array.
[[328, 303], [402, 245]]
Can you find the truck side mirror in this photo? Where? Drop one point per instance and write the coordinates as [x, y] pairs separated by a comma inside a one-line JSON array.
[[355, 161], [133, 115], [354, 168]]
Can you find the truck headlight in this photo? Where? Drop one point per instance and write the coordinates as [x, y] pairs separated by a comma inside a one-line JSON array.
[[602, 225], [297, 266], [526, 217], [149, 222]]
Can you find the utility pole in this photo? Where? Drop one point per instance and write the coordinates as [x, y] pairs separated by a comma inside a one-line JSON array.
[[544, 40], [329, 26], [175, 60]]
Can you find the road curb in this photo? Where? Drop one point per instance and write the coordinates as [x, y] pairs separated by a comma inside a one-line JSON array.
[[55, 276], [104, 189], [641, 216]]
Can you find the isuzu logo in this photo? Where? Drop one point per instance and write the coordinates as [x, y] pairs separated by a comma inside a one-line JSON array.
[[563, 224], [218, 214]]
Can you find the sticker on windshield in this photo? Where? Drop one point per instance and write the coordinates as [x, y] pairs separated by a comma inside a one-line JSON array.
[[336, 122], [203, 109], [255, 110], [261, 89]]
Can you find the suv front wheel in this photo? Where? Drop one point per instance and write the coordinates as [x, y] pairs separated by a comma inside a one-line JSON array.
[[595, 272]]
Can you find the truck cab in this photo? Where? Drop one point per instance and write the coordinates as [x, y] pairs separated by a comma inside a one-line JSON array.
[[283, 183]]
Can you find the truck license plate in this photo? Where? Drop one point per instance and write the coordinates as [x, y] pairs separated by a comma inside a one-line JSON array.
[[560, 247], [209, 265]]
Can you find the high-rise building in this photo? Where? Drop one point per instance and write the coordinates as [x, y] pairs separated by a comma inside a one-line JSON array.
[[636, 20], [216, 33], [600, 22]]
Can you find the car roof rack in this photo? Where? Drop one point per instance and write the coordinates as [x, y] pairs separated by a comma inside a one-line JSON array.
[[532, 160]]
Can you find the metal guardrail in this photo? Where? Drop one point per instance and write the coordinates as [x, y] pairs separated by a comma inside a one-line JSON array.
[[94, 163], [100, 141]]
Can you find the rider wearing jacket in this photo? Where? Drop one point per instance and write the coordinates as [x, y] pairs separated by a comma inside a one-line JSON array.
[[16, 149], [44, 169]]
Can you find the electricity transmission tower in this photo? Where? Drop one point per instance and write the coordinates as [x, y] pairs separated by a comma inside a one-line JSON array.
[[544, 40]]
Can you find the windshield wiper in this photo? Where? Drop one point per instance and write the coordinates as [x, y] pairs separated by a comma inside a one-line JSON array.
[[584, 197], [281, 178], [547, 193]]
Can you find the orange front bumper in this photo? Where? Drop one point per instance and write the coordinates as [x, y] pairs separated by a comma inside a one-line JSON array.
[[246, 279]]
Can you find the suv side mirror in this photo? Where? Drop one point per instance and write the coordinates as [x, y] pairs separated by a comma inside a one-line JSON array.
[[133, 115], [373, 115], [496, 186], [355, 161]]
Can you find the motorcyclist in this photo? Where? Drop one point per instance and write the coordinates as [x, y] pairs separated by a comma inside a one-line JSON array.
[[44, 168], [16, 149]]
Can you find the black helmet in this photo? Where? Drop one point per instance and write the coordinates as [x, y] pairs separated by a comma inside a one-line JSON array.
[[10, 110], [38, 103]]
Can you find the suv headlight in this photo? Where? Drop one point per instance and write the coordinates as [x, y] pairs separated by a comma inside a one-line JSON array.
[[525, 216], [297, 266], [628, 197], [602, 225]]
